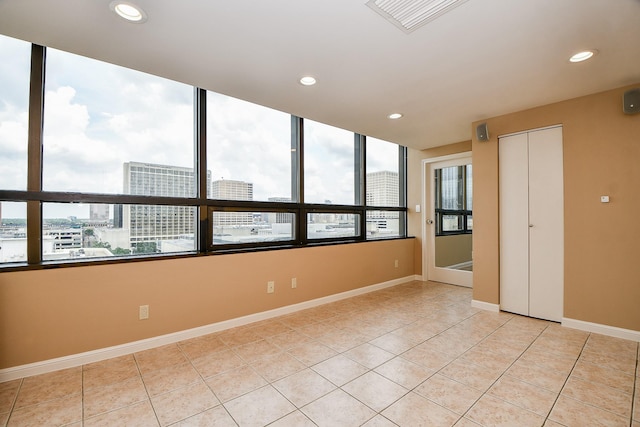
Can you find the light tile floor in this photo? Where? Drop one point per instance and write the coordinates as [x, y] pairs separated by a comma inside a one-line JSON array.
[[416, 354]]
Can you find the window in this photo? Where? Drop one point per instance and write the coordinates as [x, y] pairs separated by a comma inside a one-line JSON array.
[[134, 165], [99, 118], [383, 184], [248, 150], [234, 227], [334, 225], [454, 200], [13, 232], [383, 188], [15, 56], [328, 164], [80, 231]]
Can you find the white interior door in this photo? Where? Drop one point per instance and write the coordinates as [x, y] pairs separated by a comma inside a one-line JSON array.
[[532, 223], [448, 255], [546, 219], [514, 223]]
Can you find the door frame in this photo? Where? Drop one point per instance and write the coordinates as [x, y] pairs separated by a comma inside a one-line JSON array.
[[427, 202]]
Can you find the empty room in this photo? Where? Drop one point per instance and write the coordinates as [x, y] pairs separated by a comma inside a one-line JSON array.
[[337, 213]]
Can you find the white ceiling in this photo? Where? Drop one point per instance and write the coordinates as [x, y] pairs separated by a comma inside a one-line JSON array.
[[485, 58]]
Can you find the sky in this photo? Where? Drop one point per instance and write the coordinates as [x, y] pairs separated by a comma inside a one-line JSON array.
[[98, 116]]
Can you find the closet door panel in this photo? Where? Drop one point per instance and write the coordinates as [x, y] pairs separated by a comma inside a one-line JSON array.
[[514, 213], [546, 217]]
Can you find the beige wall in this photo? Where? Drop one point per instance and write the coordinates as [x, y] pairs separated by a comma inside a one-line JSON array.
[[602, 241], [56, 312], [415, 188], [452, 250]]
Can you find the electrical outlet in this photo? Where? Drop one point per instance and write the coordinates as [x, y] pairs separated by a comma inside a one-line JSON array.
[[396, 264], [294, 283], [143, 312], [271, 287]]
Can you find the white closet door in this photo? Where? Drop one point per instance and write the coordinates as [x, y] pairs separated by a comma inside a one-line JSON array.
[[514, 224], [546, 218], [532, 224]]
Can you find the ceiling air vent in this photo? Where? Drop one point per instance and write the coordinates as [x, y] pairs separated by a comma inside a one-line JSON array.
[[408, 15]]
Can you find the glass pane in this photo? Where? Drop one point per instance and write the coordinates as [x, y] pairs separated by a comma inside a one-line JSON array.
[[469, 222], [160, 229], [450, 185], [381, 224], [251, 145], [329, 164], [452, 223], [13, 232], [15, 56], [146, 179], [331, 225], [252, 227], [98, 118], [382, 173], [77, 231]]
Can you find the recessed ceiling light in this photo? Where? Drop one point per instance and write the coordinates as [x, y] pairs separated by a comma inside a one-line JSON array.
[[583, 56], [308, 81], [395, 116], [128, 11]]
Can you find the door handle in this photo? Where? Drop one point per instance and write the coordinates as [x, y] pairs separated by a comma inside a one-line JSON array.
[[429, 221], [530, 225]]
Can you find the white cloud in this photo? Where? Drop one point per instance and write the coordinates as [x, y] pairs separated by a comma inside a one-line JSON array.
[[99, 116], [13, 148]]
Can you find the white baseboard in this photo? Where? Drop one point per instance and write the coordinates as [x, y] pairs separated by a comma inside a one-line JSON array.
[[612, 331], [80, 359], [485, 306]]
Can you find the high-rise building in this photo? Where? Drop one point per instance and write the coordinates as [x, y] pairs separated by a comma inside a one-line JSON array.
[[280, 217], [226, 189], [117, 216], [382, 190], [98, 212], [154, 223]]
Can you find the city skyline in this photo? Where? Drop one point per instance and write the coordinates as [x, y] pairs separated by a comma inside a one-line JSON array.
[[90, 130]]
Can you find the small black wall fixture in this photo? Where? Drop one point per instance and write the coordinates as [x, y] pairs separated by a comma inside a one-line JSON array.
[[631, 101], [482, 132]]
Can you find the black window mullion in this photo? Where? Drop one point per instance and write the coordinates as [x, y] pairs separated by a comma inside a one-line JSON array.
[[200, 167], [402, 190], [297, 177], [359, 166], [35, 197], [34, 156], [360, 182]]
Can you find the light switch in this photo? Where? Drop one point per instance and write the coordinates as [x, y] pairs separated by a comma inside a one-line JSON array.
[[604, 199], [417, 208]]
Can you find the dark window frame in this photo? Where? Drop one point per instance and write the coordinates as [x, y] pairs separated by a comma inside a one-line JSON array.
[[462, 214], [35, 197]]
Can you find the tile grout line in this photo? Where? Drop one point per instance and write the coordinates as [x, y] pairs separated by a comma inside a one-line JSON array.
[[634, 397], [434, 373], [605, 385], [205, 383], [144, 384], [503, 372], [15, 401], [555, 401], [463, 336], [361, 375], [82, 396], [379, 413]]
